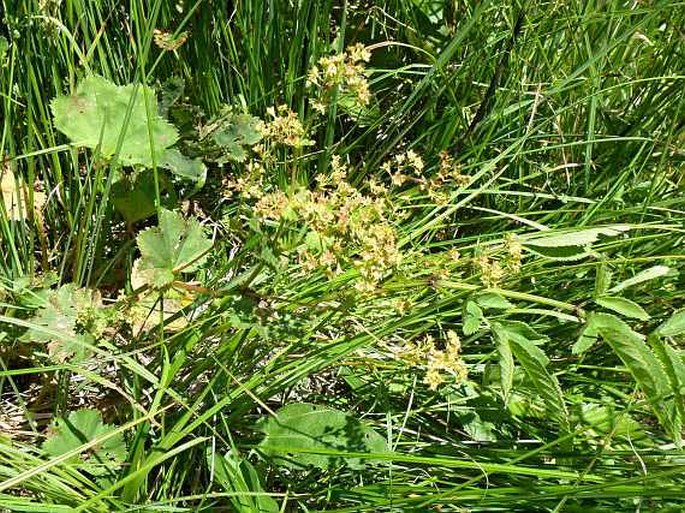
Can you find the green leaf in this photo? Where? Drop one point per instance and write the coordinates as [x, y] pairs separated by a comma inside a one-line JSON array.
[[172, 247], [586, 340], [640, 360], [605, 420], [506, 366], [675, 370], [362, 115], [80, 427], [492, 300], [575, 238], [235, 132], [522, 340], [237, 476], [135, 199], [60, 313], [300, 430], [623, 306], [472, 317], [182, 166], [570, 245], [648, 274], [674, 326], [96, 114]]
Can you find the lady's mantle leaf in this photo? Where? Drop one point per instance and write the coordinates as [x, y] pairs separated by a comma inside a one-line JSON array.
[[79, 428], [299, 431], [172, 247], [236, 132], [96, 114], [56, 322]]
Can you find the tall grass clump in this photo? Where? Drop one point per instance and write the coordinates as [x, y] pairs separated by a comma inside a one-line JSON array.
[[345, 256]]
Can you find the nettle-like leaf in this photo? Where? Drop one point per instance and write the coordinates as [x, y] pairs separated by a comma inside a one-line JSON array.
[[80, 428], [60, 315], [570, 245], [623, 306], [674, 326], [522, 341], [492, 300], [174, 246], [301, 434], [97, 116], [674, 364], [648, 369], [472, 318], [652, 273]]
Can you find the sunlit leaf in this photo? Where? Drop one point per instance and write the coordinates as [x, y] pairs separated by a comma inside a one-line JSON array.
[[523, 343], [174, 246], [80, 427], [648, 274], [623, 306], [61, 315], [96, 116], [299, 431]]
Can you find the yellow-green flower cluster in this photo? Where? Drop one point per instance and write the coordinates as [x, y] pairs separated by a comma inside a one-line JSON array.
[[166, 41], [404, 167], [344, 72], [249, 185], [409, 168], [514, 253], [492, 270], [439, 364], [285, 127], [345, 227]]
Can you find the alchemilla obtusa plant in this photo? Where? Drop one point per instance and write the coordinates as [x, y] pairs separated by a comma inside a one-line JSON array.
[[343, 257]]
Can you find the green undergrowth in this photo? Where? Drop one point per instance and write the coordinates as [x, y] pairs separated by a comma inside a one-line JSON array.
[[343, 256]]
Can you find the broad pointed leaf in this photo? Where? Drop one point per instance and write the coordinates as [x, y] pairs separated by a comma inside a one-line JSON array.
[[623, 306], [522, 340]]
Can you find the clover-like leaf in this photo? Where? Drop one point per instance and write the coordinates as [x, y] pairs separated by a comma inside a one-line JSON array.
[[58, 320], [96, 114], [174, 246], [79, 428], [301, 434]]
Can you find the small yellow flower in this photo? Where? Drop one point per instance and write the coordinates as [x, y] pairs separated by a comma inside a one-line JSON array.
[[358, 52], [285, 128], [433, 379], [166, 40]]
